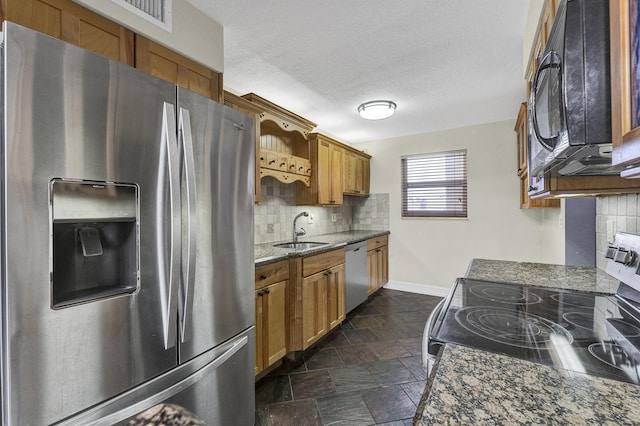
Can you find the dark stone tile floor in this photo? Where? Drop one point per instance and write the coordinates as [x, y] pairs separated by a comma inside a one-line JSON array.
[[367, 371]]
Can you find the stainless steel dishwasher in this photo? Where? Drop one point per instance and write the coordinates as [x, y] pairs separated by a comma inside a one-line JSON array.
[[356, 274]]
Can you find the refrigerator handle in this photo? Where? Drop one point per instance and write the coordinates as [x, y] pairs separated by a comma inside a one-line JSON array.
[[169, 293], [189, 225]]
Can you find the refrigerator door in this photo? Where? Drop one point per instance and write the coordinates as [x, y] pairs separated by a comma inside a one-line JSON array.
[[80, 129], [216, 298], [211, 389]]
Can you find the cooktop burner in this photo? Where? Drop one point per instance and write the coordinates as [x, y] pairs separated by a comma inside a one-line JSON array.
[[515, 328], [500, 293], [579, 319]]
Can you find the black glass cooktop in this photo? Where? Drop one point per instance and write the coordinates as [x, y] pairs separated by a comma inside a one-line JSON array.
[[583, 332]]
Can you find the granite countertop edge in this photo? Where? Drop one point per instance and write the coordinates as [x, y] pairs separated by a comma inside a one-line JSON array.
[[267, 253]]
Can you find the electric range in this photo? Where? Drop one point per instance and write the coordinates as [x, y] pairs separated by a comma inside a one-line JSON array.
[[578, 331]]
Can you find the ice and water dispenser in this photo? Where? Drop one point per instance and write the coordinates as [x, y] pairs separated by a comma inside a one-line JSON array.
[[95, 241]]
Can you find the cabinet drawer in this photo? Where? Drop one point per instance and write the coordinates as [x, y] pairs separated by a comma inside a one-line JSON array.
[[272, 273], [374, 243], [322, 261]]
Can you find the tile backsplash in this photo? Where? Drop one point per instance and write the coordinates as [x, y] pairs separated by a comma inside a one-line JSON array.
[[623, 211], [274, 215]]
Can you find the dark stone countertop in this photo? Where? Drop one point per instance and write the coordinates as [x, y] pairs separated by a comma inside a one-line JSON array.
[[267, 253], [465, 389], [543, 275], [470, 386]]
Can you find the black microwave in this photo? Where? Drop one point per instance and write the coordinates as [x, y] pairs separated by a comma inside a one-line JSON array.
[[569, 110]]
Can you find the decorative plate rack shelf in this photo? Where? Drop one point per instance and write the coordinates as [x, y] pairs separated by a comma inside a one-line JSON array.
[[284, 144]]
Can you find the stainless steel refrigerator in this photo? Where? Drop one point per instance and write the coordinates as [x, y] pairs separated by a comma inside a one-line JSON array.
[[126, 244]]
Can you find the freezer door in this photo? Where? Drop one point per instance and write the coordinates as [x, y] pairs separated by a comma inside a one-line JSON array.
[[216, 300], [80, 129], [215, 388]]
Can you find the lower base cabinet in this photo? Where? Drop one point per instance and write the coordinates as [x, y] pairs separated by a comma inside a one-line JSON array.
[[298, 301], [377, 263], [323, 303], [272, 314]]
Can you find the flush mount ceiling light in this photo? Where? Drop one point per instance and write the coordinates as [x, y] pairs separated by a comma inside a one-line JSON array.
[[377, 110]]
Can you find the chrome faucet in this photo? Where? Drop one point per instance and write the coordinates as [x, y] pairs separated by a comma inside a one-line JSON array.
[[296, 234]]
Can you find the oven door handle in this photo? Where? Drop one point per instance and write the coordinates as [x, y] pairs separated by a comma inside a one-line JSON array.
[[428, 328], [549, 61]]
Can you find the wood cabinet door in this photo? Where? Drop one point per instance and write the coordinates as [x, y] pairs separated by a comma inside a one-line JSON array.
[[314, 311], [383, 262], [275, 324], [625, 85], [259, 364], [521, 136], [372, 269], [323, 172], [168, 65], [366, 178], [359, 175], [68, 21], [349, 169], [336, 175], [336, 296]]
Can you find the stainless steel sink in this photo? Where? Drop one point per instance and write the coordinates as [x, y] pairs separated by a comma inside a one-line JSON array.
[[301, 245]]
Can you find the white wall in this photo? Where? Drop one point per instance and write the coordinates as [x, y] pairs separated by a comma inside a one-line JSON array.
[[530, 27], [193, 35], [433, 252]]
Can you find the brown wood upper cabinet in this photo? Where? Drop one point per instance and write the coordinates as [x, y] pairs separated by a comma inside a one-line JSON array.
[[283, 152], [166, 64], [326, 181], [355, 172], [625, 89], [68, 21]]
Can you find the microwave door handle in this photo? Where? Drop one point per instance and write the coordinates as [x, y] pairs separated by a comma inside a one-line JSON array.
[[547, 63], [169, 291], [189, 251]]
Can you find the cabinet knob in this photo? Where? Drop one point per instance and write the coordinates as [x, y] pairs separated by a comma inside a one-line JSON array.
[[267, 291], [329, 272], [283, 164], [272, 162], [260, 293], [263, 277]]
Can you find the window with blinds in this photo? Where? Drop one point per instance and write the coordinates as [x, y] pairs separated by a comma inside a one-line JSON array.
[[435, 185]]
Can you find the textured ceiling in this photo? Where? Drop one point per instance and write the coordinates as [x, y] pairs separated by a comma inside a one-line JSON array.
[[446, 63]]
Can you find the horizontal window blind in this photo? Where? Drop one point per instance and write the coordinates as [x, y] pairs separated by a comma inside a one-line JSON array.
[[435, 185]]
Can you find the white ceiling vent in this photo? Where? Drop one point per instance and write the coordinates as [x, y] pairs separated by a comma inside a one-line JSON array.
[[155, 11]]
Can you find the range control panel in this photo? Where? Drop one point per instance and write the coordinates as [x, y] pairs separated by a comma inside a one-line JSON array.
[[624, 259]]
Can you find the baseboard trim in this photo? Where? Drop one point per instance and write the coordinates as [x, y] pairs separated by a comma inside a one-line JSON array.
[[431, 290]]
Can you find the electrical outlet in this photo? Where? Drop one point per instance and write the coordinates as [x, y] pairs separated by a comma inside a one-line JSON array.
[[310, 218], [611, 230], [334, 217]]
